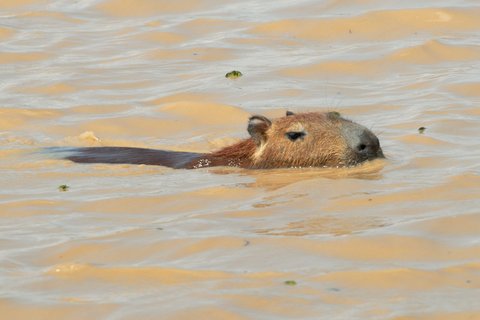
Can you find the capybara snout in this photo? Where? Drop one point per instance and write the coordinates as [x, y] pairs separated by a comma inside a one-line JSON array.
[[363, 144]]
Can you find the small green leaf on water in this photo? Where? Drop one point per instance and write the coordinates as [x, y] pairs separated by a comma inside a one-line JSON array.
[[290, 283], [233, 74], [421, 130], [63, 187]]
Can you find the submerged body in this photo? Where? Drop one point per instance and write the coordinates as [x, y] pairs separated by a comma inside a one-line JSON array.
[[296, 140]]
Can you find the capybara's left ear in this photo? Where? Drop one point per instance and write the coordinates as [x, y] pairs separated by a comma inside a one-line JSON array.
[[257, 127]]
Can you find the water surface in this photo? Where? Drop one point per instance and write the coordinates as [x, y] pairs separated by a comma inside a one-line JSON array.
[[395, 239]]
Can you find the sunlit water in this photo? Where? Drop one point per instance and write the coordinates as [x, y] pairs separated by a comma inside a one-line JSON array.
[[394, 239]]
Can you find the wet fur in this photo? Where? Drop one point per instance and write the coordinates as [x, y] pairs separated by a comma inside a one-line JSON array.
[[318, 142]]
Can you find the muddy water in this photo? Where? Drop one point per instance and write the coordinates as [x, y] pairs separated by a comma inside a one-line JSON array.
[[394, 239]]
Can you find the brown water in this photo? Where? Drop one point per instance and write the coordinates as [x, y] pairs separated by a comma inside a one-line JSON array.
[[395, 239]]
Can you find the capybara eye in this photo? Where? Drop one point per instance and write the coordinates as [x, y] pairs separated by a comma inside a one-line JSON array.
[[295, 135]]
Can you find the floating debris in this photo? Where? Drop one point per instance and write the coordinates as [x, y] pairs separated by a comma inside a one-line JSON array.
[[63, 188], [233, 74], [421, 130], [290, 283]]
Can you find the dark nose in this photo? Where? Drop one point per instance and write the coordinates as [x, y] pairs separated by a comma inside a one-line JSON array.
[[362, 142], [368, 146]]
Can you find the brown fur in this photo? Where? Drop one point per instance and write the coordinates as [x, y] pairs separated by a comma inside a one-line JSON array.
[[322, 146], [236, 155], [296, 140]]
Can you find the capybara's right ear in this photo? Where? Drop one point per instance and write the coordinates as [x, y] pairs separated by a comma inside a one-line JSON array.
[[257, 127]]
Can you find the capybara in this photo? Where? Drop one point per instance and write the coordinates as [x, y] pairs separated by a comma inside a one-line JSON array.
[[311, 139]]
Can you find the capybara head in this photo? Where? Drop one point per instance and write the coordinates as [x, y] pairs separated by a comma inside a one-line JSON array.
[[311, 140]]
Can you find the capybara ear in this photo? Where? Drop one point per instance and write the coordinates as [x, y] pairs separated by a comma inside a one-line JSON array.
[[289, 113], [257, 127]]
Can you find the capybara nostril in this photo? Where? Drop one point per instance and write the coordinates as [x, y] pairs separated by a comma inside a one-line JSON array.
[[361, 147]]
